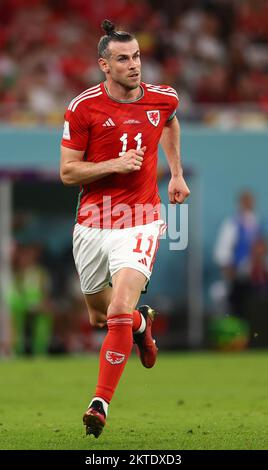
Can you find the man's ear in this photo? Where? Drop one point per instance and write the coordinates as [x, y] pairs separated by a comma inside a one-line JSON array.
[[104, 66]]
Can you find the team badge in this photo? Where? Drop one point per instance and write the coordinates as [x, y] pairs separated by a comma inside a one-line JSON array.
[[114, 357], [154, 117]]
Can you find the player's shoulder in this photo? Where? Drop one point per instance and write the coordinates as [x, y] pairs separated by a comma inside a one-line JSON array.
[[85, 98], [164, 90]]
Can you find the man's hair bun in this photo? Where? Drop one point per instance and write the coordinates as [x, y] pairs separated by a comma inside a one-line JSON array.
[[108, 27]]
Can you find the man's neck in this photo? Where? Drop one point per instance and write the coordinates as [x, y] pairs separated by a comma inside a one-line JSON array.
[[119, 93]]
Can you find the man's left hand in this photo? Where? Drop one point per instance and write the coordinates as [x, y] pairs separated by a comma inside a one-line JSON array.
[[178, 190]]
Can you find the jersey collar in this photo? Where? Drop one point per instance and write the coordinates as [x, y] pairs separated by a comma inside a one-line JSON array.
[[123, 101]]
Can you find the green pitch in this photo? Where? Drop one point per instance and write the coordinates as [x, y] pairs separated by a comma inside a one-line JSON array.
[[188, 401]]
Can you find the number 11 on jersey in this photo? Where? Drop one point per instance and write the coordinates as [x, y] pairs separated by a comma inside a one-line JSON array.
[[124, 138]]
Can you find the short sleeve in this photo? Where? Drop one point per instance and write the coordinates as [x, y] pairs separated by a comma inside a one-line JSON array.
[[76, 130], [173, 104]]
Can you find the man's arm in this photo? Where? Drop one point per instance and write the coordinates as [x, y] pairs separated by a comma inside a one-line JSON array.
[[178, 190], [74, 170]]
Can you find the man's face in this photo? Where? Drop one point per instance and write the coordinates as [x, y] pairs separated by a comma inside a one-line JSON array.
[[246, 201], [123, 64]]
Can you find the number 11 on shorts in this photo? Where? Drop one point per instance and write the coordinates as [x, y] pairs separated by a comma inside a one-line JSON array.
[[149, 245]]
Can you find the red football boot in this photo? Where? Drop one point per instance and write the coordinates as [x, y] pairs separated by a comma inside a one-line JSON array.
[[146, 346], [94, 419]]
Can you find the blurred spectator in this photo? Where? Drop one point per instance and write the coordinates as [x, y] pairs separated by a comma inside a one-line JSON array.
[[252, 19], [239, 253], [29, 302], [237, 236], [214, 87]]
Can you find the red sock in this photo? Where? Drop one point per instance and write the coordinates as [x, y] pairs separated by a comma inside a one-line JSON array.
[[136, 320], [114, 354]]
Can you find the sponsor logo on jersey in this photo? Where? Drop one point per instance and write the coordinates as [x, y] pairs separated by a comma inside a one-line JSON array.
[[131, 121], [109, 123], [154, 117], [114, 357], [66, 131]]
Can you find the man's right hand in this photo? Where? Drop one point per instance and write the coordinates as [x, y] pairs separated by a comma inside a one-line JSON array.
[[130, 161]]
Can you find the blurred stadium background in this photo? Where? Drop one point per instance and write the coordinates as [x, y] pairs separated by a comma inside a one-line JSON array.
[[215, 53]]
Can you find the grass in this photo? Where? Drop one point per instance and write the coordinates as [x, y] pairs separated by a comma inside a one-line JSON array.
[[188, 401]]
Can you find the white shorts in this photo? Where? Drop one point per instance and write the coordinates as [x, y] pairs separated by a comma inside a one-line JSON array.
[[100, 253]]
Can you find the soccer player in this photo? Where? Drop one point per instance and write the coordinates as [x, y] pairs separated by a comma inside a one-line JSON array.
[[109, 148]]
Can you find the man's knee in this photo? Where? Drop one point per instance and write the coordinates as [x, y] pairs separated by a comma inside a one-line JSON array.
[[119, 306]]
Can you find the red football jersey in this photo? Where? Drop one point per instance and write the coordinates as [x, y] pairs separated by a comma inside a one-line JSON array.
[[105, 128]]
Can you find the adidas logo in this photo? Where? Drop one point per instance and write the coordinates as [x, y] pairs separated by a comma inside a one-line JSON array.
[[108, 123], [143, 261]]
